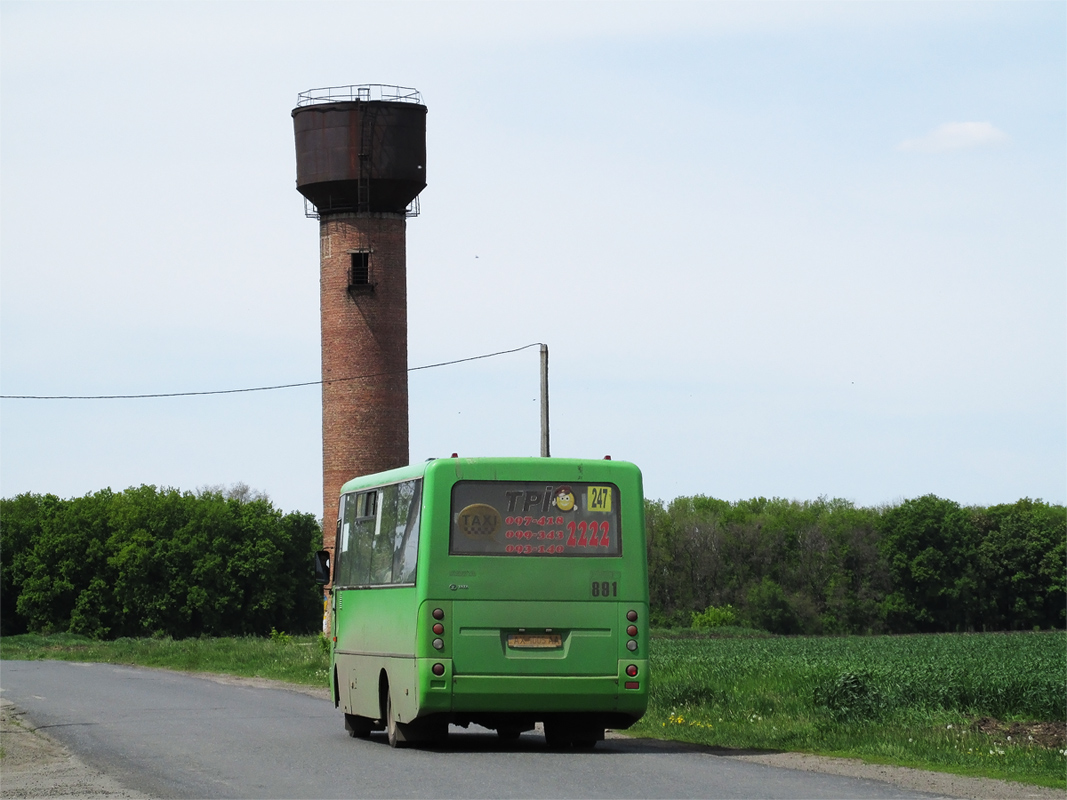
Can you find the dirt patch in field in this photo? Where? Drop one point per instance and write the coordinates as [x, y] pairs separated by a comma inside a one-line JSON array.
[[1052, 735]]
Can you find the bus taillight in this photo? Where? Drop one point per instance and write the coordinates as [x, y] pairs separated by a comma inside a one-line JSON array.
[[438, 628], [438, 644], [632, 616], [438, 669], [438, 613], [632, 670]]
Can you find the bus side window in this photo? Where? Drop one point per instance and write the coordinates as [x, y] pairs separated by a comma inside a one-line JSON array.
[[405, 531], [345, 554], [363, 529], [381, 549], [378, 542]]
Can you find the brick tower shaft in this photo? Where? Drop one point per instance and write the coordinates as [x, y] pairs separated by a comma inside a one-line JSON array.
[[363, 299]]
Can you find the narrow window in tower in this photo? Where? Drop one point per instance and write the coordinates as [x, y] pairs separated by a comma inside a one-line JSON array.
[[359, 275], [360, 269]]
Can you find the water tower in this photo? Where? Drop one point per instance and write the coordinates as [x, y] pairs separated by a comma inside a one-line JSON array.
[[360, 165]]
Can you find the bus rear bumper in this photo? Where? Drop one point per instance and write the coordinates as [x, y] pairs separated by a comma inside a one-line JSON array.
[[543, 693], [535, 694]]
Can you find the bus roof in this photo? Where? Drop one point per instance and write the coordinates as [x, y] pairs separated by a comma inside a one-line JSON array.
[[479, 465]]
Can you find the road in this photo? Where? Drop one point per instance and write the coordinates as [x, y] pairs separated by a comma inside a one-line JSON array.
[[168, 734]]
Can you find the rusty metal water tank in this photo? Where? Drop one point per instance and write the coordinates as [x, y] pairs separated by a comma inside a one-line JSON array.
[[360, 148]]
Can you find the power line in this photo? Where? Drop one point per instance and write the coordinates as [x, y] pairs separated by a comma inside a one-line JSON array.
[[260, 388]]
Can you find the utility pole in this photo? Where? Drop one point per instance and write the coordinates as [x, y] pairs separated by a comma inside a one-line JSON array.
[[544, 401]]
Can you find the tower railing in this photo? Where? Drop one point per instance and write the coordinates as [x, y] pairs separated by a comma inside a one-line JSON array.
[[362, 92], [311, 212]]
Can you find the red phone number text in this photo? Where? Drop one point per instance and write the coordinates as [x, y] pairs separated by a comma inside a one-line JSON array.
[[581, 534]]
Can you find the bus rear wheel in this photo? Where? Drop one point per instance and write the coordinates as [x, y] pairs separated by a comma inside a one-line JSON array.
[[560, 736], [392, 727], [586, 738], [557, 737]]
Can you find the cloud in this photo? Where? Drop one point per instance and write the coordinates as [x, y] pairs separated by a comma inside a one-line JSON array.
[[955, 136]]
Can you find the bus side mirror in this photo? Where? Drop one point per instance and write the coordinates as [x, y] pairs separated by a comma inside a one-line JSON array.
[[322, 567]]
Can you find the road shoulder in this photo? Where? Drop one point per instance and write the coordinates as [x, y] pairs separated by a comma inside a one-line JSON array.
[[942, 783], [33, 764]]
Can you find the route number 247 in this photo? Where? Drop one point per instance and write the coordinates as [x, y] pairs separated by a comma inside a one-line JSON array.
[[605, 589], [600, 498]]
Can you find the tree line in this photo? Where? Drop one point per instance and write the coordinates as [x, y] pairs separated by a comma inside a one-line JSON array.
[[829, 567], [161, 562], [157, 562]]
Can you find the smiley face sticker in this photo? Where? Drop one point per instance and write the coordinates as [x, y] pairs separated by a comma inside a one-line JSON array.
[[564, 499]]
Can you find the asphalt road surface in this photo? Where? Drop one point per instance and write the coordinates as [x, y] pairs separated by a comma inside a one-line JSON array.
[[168, 734]]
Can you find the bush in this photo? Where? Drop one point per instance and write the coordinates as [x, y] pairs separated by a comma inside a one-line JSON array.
[[712, 617], [281, 637]]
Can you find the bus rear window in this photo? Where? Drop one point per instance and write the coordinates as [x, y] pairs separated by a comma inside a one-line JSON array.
[[521, 518]]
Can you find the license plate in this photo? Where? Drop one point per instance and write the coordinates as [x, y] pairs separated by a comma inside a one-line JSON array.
[[534, 640]]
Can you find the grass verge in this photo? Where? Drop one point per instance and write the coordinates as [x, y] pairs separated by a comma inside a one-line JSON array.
[[295, 659]]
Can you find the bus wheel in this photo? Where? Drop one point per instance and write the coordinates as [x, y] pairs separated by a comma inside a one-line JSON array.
[[508, 734], [586, 738], [358, 727], [432, 732], [557, 737], [392, 727]]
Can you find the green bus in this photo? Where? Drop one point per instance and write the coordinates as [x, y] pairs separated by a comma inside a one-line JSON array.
[[500, 592]]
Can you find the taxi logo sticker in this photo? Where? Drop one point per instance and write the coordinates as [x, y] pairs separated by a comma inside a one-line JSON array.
[[478, 521]]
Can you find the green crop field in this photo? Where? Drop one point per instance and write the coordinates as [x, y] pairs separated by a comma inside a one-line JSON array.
[[985, 704]]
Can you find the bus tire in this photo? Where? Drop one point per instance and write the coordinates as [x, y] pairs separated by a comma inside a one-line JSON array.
[[433, 732], [557, 737], [358, 727], [586, 738], [393, 729], [508, 734]]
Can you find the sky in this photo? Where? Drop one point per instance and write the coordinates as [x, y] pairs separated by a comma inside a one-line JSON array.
[[790, 250]]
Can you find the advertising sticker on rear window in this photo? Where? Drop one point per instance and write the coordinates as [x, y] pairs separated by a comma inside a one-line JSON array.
[[518, 518]]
